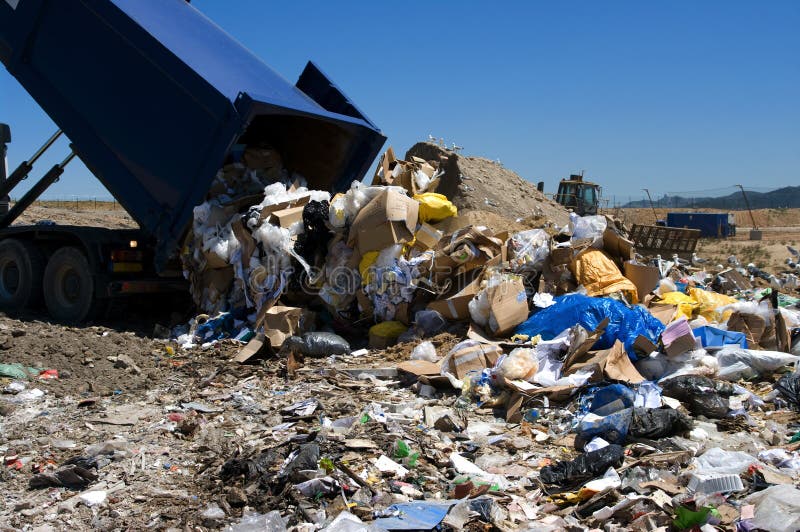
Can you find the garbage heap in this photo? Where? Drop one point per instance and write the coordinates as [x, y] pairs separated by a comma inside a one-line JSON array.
[[587, 386]]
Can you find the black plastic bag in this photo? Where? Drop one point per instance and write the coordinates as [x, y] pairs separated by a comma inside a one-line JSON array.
[[789, 388], [72, 477], [585, 467], [318, 344], [655, 423], [701, 395], [257, 467]]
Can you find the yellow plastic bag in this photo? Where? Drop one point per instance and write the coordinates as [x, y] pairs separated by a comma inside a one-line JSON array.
[[600, 276], [367, 260], [434, 207], [388, 329], [709, 302], [686, 305]]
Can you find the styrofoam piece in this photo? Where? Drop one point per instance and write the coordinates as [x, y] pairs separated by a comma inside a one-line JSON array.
[[709, 484]]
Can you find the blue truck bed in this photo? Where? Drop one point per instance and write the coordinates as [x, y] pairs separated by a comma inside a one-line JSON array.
[[153, 95]]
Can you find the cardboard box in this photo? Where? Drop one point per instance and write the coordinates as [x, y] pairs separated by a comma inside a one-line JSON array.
[[473, 358], [508, 305], [560, 253], [618, 247], [287, 217], [663, 313], [644, 277], [753, 326], [267, 211], [427, 237], [732, 281], [393, 171], [282, 322], [678, 338], [390, 218], [456, 306], [643, 345]]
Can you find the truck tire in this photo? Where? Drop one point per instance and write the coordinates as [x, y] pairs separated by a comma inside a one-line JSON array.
[[21, 270], [69, 286]]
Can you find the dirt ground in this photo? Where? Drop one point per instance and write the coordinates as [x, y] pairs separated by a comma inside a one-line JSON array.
[[103, 216], [765, 218], [780, 228], [160, 423]]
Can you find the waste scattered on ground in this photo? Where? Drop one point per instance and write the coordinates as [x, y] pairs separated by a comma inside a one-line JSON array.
[[366, 362]]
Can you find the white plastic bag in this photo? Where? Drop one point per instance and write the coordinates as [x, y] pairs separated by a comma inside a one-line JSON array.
[[736, 363], [718, 461], [777, 508], [425, 351]]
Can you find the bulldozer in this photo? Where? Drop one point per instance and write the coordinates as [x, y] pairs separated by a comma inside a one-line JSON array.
[[581, 197]]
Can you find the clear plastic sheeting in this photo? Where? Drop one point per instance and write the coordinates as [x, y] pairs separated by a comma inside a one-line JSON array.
[[736, 363]]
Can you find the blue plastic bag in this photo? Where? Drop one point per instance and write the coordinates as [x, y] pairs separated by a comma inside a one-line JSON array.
[[625, 323], [713, 337], [612, 398]]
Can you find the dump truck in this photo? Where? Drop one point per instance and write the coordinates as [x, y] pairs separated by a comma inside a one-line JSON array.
[[582, 197], [153, 96]]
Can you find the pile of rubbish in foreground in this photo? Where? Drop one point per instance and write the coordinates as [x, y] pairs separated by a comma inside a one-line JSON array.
[[655, 374], [373, 372]]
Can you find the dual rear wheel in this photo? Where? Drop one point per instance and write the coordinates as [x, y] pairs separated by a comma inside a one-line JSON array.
[[64, 281]]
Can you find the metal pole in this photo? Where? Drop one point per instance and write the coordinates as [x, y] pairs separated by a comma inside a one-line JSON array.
[[747, 202], [33, 194], [5, 138], [655, 214]]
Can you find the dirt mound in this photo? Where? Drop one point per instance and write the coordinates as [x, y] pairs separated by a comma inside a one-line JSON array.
[[476, 183]]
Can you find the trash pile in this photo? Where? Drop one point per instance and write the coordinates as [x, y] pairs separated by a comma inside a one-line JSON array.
[[587, 384], [365, 362]]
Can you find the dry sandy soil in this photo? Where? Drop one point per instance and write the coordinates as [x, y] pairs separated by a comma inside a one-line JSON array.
[[477, 183], [780, 227]]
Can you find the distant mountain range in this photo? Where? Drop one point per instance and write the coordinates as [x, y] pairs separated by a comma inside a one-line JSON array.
[[786, 197]]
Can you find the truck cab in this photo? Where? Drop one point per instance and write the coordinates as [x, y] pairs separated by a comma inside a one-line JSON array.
[[582, 197]]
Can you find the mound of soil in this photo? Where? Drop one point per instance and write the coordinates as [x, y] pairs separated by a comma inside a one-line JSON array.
[[476, 183]]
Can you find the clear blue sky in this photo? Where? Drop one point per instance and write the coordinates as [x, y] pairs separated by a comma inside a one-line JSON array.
[[674, 96]]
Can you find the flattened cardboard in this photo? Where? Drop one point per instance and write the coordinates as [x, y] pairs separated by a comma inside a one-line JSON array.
[[618, 366], [269, 209], [456, 307], [618, 247], [420, 368], [734, 281], [390, 218], [663, 313], [514, 407], [644, 277], [255, 346], [508, 304], [579, 352]]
